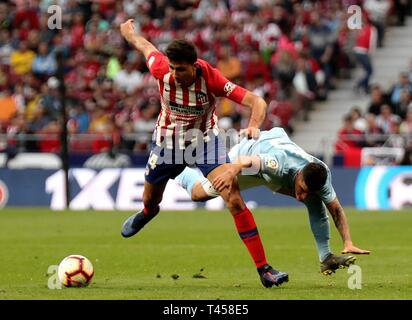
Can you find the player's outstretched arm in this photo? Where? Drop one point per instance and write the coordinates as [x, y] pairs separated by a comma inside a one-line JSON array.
[[258, 107], [341, 223], [129, 33]]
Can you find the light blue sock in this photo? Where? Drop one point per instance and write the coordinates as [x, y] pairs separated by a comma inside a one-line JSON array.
[[319, 224], [188, 178]]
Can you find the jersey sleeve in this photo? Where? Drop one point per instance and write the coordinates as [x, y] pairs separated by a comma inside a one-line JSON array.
[[272, 164], [158, 64], [222, 87], [327, 193]]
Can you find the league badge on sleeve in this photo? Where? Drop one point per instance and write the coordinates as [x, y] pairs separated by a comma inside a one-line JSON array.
[[271, 163]]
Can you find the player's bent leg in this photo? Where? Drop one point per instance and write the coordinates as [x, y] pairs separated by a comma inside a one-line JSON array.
[[199, 193], [197, 186], [152, 196], [248, 232]]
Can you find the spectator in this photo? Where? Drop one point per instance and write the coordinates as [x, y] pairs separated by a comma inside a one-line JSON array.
[[402, 84], [373, 133], [21, 60], [26, 13], [284, 68], [321, 42], [6, 49], [406, 126], [228, 64], [6, 19], [365, 46], [305, 85], [377, 100], [348, 136], [50, 100], [8, 107], [395, 140], [402, 107], [387, 121], [39, 121], [377, 11], [128, 78], [147, 120], [79, 119], [256, 68], [44, 64], [77, 31], [359, 122]]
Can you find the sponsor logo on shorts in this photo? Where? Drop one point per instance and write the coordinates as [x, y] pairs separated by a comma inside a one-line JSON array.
[[152, 163]]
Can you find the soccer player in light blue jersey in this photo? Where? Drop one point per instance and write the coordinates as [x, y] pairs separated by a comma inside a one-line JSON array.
[[276, 162]]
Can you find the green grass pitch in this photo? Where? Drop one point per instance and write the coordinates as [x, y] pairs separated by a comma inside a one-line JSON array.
[[164, 261]]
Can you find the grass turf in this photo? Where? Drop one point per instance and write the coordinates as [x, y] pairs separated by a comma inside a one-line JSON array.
[[181, 244]]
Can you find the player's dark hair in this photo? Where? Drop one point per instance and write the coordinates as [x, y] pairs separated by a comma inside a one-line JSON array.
[[314, 175], [181, 51]]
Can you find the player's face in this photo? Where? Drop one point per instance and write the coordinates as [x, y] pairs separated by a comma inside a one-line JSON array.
[[301, 189], [184, 73]]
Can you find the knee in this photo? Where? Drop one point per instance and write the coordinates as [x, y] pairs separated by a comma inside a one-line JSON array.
[[196, 198]]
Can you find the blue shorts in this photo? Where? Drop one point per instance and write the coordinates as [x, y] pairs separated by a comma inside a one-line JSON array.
[[165, 164]]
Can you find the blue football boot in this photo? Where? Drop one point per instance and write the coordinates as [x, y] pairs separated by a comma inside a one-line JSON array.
[[136, 222], [270, 276]]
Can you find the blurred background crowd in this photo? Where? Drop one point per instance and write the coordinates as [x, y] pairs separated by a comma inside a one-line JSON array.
[[386, 122], [292, 53]]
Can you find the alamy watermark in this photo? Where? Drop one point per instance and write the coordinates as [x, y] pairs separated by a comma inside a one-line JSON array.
[[354, 22], [55, 20], [355, 280], [53, 281]]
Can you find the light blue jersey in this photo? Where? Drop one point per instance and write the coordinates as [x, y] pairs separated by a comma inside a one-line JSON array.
[[281, 160]]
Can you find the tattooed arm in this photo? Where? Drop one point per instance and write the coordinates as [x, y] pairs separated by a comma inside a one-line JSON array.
[[341, 223]]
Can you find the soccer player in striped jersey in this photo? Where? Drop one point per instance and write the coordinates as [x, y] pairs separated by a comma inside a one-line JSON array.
[[187, 135], [276, 162]]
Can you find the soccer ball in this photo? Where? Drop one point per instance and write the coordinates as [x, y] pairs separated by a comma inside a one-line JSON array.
[[75, 271]]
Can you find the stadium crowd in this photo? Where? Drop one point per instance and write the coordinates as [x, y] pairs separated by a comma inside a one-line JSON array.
[[289, 52], [387, 121]]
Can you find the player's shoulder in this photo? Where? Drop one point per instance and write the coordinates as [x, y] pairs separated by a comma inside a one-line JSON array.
[[206, 69], [158, 64], [156, 57]]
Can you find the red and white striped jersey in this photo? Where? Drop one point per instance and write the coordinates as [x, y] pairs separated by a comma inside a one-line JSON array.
[[185, 108]]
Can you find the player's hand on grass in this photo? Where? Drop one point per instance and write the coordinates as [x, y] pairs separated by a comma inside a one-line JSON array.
[[350, 248], [127, 29], [250, 132]]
